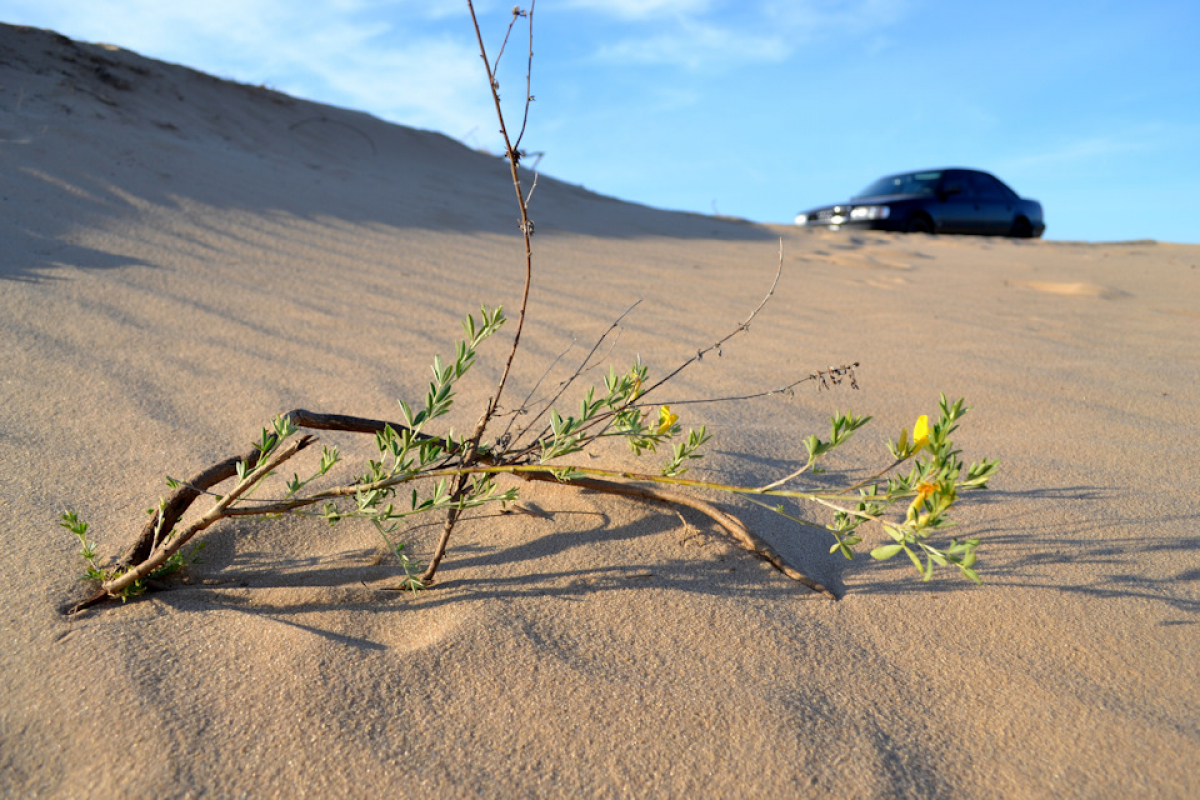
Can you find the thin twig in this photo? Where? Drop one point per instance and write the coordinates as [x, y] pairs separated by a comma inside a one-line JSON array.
[[532, 186], [507, 33], [566, 384], [472, 445], [528, 90], [832, 375], [786, 478], [741, 328]]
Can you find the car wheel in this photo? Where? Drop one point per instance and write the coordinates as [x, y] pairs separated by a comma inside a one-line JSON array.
[[918, 224], [1021, 229]]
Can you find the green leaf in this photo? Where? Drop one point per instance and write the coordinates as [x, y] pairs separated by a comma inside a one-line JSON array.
[[886, 551], [813, 445], [913, 558], [283, 428], [71, 522], [407, 413]]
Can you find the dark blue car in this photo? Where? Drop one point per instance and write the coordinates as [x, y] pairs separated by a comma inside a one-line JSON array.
[[935, 201]]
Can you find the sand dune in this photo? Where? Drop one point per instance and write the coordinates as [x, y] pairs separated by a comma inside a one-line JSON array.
[[183, 258]]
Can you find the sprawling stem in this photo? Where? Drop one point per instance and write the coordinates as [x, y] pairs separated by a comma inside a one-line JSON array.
[[174, 507]]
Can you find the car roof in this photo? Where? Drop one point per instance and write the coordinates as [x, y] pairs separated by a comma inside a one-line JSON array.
[[937, 169]]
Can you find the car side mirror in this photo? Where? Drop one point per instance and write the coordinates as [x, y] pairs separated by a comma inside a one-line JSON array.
[[951, 189]]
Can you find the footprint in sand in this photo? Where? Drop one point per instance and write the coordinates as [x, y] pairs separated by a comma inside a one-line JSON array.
[[1077, 289], [860, 261], [882, 282], [888, 263]]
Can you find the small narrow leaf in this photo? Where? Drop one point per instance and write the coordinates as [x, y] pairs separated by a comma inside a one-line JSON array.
[[886, 551]]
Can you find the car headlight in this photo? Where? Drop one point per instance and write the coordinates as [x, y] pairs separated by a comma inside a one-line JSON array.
[[870, 212], [802, 219]]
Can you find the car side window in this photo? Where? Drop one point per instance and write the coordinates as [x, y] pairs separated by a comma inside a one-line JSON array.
[[956, 184], [974, 187], [990, 188]]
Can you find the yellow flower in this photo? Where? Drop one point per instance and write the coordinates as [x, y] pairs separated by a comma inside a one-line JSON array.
[[666, 419], [921, 432], [925, 490]]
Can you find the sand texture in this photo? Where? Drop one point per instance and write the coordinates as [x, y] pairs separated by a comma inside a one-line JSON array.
[[182, 258]]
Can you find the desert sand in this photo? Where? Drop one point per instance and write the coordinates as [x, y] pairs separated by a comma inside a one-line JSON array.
[[182, 258]]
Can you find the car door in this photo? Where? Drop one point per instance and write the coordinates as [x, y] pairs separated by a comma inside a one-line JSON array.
[[996, 206], [954, 211]]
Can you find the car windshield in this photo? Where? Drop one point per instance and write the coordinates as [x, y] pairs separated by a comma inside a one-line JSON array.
[[909, 183]]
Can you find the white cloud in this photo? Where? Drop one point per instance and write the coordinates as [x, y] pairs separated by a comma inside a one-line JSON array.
[[693, 45], [814, 18], [696, 33], [641, 9], [1086, 149], [391, 58], [432, 83], [1124, 146]]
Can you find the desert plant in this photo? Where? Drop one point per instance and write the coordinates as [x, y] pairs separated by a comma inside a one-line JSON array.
[[418, 471]]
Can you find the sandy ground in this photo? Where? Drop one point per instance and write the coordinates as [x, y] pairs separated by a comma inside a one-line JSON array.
[[182, 258]]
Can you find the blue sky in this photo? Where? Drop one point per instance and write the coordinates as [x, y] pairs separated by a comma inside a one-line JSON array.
[[752, 108]]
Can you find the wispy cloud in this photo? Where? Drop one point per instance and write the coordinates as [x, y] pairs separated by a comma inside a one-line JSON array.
[[693, 44], [811, 18], [1118, 146], [345, 52], [641, 9], [1085, 149], [695, 34]]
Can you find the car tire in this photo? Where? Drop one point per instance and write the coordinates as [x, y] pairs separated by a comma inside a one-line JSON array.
[[1021, 229], [918, 224]]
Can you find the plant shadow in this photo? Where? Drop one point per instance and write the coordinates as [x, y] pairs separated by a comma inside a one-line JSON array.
[[362, 583], [1016, 553], [1087, 556]]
